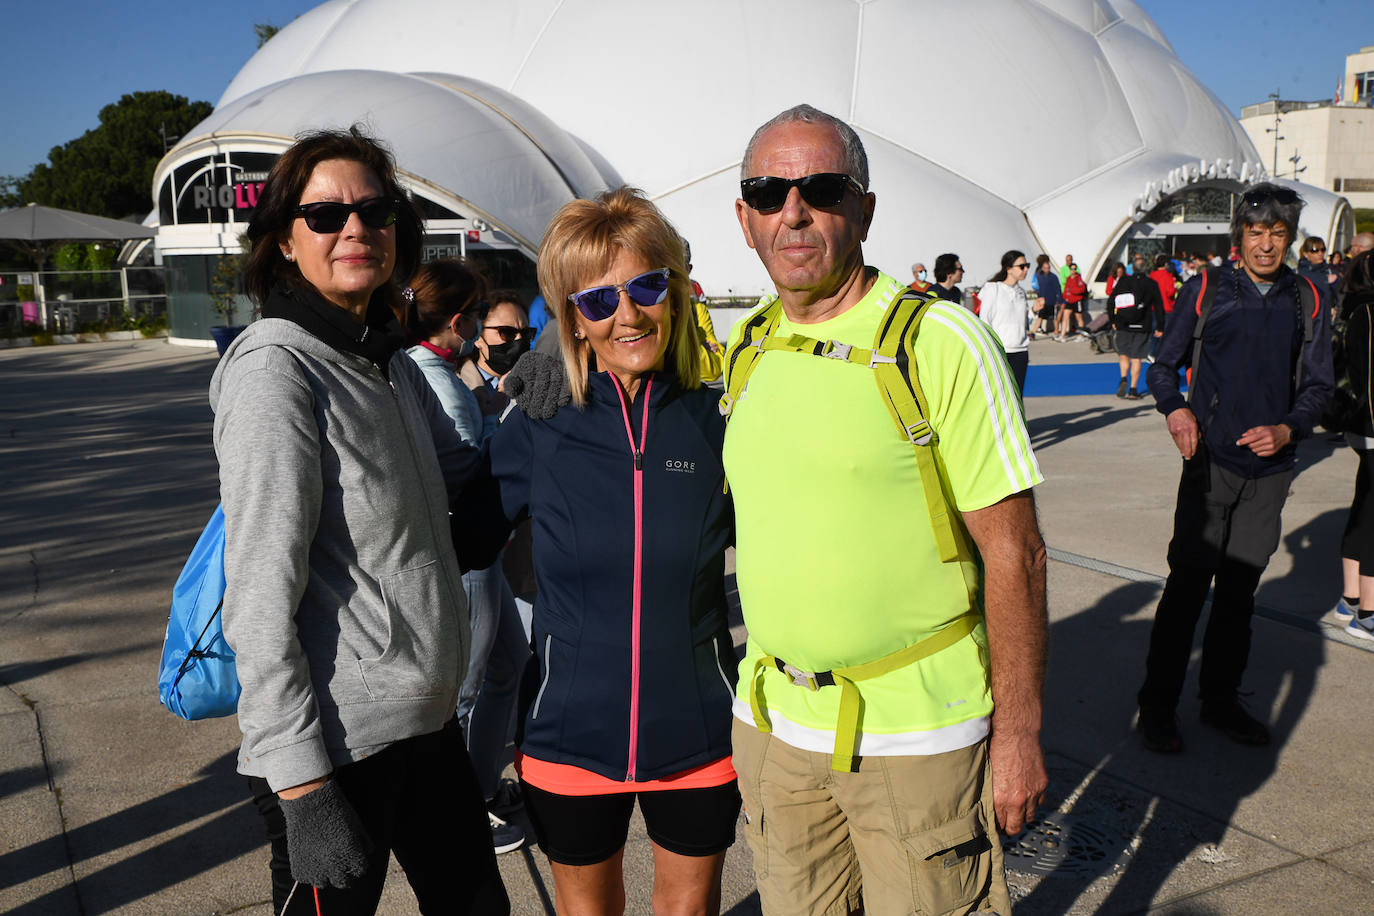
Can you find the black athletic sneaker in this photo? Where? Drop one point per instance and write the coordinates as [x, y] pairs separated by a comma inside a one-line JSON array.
[[1121, 389], [508, 799], [1159, 731], [1227, 715], [1134, 395]]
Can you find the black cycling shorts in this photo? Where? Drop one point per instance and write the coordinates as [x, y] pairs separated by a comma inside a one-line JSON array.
[[587, 829]]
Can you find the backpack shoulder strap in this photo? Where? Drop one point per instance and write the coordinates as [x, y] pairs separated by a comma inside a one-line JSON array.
[[893, 361], [1308, 303], [741, 358], [899, 383], [1206, 298]]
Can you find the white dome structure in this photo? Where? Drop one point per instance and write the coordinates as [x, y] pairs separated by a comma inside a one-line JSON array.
[[941, 93]]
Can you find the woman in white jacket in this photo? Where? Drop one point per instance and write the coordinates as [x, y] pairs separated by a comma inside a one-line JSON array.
[[1006, 311]]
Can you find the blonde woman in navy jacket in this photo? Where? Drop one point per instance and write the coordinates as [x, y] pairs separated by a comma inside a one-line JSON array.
[[628, 695]]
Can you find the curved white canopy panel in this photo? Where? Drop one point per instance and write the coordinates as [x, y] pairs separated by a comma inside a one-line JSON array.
[[941, 91], [504, 160]]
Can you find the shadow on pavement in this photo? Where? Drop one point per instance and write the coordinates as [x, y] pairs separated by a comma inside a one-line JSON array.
[[232, 830], [1055, 428], [1156, 811]]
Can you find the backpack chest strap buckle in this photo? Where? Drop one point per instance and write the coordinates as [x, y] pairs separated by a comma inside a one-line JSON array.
[[835, 349]]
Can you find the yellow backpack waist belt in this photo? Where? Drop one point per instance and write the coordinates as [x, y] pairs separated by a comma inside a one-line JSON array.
[[847, 727]]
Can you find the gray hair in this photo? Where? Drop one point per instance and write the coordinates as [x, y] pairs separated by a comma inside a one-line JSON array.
[[855, 159], [1259, 205]]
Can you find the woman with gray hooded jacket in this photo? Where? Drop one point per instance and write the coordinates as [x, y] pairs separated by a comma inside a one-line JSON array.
[[344, 604]]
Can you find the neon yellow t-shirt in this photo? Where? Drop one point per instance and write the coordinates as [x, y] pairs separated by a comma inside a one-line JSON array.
[[836, 560]]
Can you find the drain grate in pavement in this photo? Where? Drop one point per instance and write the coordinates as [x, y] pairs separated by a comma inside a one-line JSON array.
[[1065, 844]]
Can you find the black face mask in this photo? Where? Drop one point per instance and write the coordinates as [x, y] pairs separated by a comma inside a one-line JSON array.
[[501, 357]]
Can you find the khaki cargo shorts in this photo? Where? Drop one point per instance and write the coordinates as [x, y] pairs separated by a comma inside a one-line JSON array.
[[901, 835]]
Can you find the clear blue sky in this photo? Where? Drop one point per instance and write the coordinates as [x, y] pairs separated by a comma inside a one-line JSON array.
[[66, 59]]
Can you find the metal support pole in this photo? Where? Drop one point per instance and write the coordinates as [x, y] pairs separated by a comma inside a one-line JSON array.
[[124, 288]]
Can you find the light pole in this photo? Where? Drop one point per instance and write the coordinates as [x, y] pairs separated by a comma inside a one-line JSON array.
[[1295, 159], [1278, 119]]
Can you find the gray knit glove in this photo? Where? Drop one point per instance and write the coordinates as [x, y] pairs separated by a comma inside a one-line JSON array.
[[324, 838], [538, 384]]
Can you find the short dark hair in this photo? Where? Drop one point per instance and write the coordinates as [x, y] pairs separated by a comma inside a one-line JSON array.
[[1263, 204], [498, 296], [439, 290], [1161, 260], [945, 265], [281, 193]]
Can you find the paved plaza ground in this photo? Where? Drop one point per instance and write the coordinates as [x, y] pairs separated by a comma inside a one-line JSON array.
[[109, 804]]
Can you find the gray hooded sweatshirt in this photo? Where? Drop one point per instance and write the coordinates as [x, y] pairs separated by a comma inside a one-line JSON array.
[[344, 603]]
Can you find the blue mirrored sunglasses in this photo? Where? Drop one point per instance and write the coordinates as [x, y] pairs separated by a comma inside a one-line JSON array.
[[597, 303]]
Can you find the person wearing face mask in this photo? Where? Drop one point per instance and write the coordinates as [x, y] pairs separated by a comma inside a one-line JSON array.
[[918, 278], [443, 311], [506, 336], [443, 314]]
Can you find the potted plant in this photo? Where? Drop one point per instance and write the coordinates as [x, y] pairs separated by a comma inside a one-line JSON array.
[[225, 282]]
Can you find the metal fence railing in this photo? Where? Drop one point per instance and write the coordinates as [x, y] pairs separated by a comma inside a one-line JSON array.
[[79, 301]]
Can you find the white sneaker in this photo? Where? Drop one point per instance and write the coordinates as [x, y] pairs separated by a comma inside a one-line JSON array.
[[505, 837], [1343, 610], [1364, 629]]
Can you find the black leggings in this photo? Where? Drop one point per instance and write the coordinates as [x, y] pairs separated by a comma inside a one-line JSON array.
[[1357, 543], [418, 799]]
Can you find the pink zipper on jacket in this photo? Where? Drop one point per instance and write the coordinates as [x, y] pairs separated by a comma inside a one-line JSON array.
[[638, 452]]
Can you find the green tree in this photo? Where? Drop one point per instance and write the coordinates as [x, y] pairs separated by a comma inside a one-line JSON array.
[[9, 192], [108, 170], [265, 31]]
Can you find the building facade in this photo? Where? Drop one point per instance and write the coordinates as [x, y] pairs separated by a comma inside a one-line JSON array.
[[1327, 143]]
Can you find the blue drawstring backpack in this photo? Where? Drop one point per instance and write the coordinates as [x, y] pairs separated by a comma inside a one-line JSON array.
[[197, 679]]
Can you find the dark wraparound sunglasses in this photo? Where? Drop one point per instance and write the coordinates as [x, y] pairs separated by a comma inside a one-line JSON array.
[[824, 189], [331, 216], [598, 303], [1257, 197], [510, 332]]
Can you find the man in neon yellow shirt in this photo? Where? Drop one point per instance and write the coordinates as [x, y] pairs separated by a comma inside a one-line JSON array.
[[838, 567]]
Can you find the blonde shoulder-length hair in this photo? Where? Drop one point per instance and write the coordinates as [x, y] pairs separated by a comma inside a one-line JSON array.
[[581, 242]]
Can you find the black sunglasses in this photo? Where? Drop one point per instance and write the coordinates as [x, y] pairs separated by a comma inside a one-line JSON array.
[[1023, 265], [824, 189], [331, 216], [1260, 195], [510, 332]]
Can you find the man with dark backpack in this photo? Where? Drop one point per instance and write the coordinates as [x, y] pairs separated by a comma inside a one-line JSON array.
[[1258, 339]]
